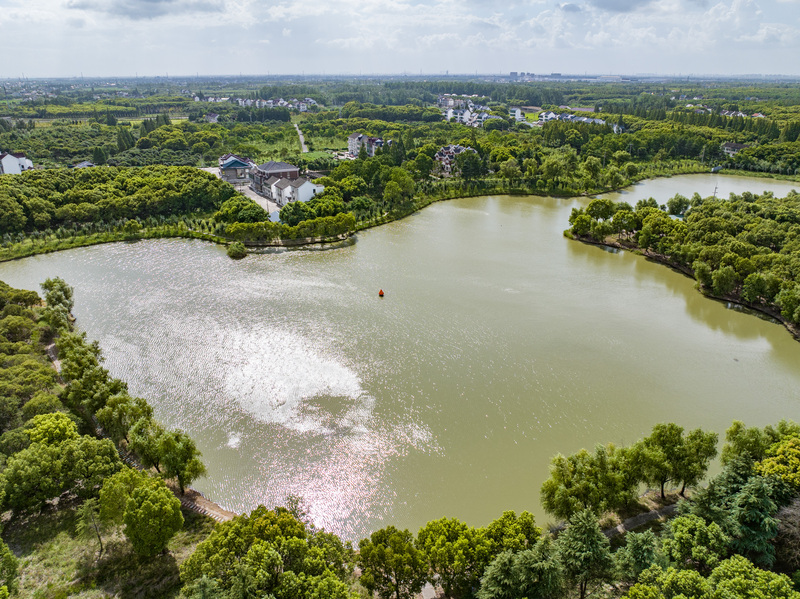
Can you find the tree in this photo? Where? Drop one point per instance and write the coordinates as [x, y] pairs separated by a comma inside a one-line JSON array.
[[584, 552], [754, 512], [512, 532], [391, 566], [668, 456], [538, 572], [152, 516], [584, 480], [116, 491], [737, 578], [500, 579], [457, 555], [694, 544], [638, 554], [51, 429], [33, 476], [783, 462], [87, 462], [787, 537], [699, 449], [89, 524], [9, 568], [120, 413], [181, 458], [145, 441]]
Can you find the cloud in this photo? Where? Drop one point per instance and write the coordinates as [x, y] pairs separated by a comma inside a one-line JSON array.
[[620, 5], [147, 9], [569, 7]]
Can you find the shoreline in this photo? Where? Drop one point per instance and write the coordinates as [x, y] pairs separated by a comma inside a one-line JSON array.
[[425, 201], [686, 271]]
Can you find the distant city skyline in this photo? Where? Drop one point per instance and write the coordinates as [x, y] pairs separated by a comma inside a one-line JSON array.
[[97, 38]]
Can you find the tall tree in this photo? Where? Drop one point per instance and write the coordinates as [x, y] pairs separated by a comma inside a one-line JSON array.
[[391, 566], [181, 458], [584, 552], [152, 517]]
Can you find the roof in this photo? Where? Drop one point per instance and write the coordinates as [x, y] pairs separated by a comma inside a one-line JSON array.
[[283, 184], [354, 135], [299, 182], [273, 166], [272, 180], [234, 162]]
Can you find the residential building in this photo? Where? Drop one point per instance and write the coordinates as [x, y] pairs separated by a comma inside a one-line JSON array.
[[14, 163], [731, 149], [235, 169], [355, 141], [260, 176], [445, 158]]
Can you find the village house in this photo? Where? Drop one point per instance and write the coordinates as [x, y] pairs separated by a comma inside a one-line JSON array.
[[262, 174], [281, 182], [235, 169], [14, 163], [445, 158], [355, 141], [731, 149]]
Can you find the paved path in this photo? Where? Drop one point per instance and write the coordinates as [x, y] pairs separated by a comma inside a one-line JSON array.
[[260, 200], [303, 147]]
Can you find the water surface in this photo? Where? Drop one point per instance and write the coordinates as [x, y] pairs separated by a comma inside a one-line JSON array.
[[499, 343]]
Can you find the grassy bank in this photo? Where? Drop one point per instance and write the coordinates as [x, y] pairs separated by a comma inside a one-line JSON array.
[[55, 563], [31, 246]]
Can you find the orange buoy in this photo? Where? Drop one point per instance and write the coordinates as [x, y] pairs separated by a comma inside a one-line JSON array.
[[380, 293]]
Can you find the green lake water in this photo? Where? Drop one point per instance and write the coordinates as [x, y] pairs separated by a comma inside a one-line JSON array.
[[498, 344]]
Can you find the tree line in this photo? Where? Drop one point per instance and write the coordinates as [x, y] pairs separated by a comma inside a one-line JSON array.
[[746, 248], [67, 435]]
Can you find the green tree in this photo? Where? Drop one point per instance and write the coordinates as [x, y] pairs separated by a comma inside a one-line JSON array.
[[390, 564], [754, 512], [694, 544], [9, 568], [33, 476], [89, 525], [145, 440], [457, 555], [52, 429], [86, 463], [783, 462], [181, 458], [115, 492], [152, 517], [512, 532], [120, 413], [737, 578], [584, 552], [639, 553]]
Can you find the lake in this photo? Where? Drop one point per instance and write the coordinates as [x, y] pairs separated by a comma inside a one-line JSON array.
[[498, 344]]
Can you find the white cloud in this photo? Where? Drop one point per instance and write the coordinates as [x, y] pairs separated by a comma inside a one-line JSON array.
[[187, 36]]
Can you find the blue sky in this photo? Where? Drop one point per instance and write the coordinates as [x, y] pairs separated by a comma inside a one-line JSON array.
[[46, 38]]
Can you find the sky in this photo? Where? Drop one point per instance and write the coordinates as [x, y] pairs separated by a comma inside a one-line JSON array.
[[66, 38]]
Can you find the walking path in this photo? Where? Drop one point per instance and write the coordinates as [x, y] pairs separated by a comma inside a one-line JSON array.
[[303, 147]]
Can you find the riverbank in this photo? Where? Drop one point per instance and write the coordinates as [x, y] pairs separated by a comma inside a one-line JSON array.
[[453, 189], [793, 329]]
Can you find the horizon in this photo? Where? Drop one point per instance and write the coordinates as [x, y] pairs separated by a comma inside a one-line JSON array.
[[394, 37]]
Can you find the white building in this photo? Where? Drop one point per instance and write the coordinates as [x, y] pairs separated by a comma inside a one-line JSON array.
[[14, 164], [285, 191]]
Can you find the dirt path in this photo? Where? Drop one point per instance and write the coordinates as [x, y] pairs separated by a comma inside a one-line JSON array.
[[640, 519], [303, 147]]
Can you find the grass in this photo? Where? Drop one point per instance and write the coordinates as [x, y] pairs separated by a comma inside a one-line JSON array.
[[54, 564]]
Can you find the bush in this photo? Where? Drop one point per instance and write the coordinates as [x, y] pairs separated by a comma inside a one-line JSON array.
[[236, 250]]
